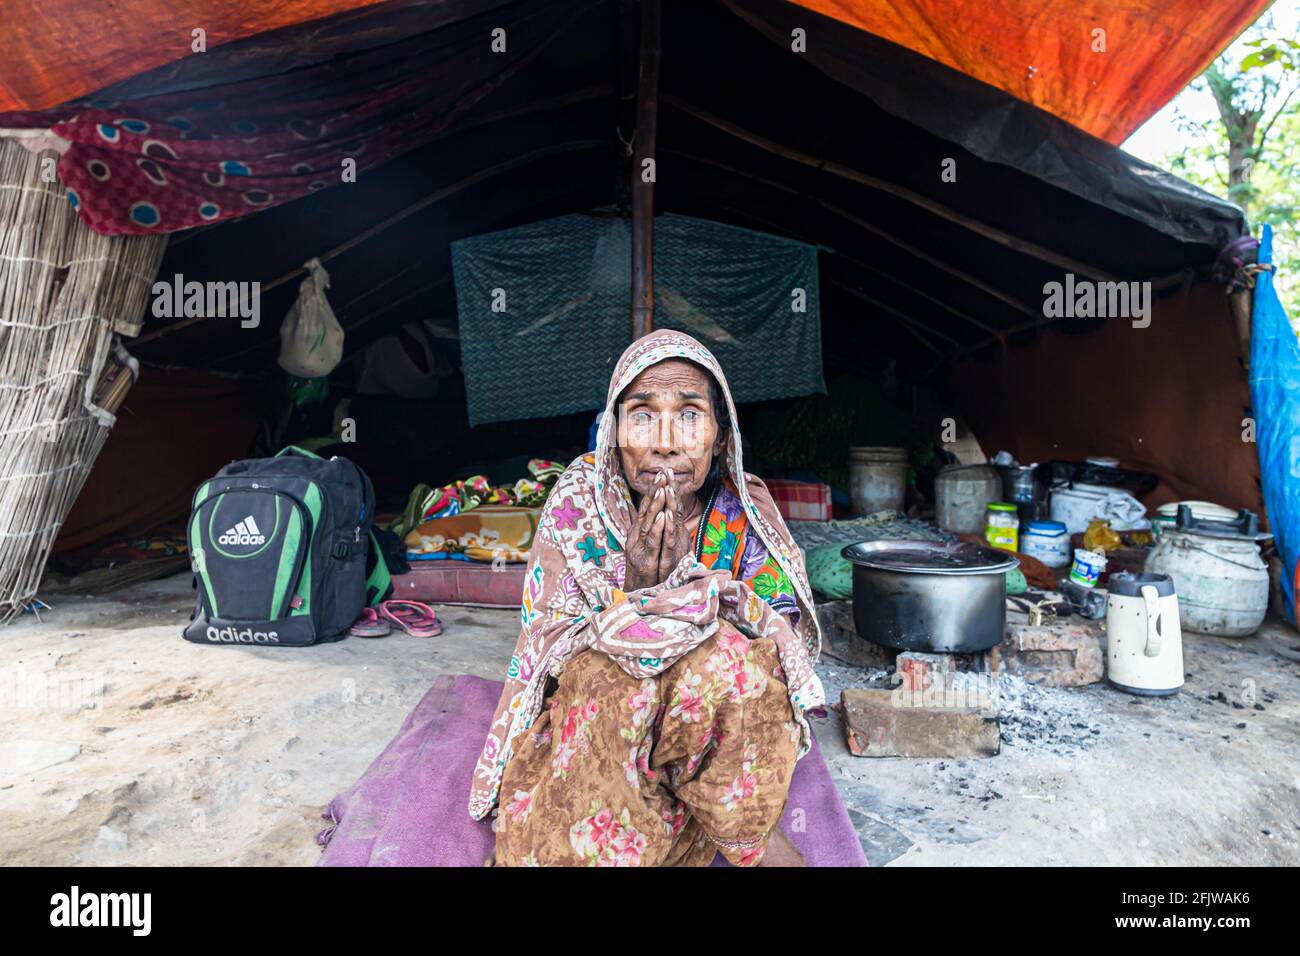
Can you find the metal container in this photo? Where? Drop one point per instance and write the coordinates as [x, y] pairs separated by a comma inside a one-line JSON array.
[[877, 479], [930, 596], [962, 494], [1222, 582]]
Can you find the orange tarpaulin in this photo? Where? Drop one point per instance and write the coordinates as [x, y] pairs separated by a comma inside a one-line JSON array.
[[1042, 51], [53, 51]]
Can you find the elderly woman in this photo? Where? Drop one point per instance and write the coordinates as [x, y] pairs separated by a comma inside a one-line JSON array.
[[654, 706]]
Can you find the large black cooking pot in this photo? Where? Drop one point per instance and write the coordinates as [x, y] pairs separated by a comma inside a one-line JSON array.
[[931, 596]]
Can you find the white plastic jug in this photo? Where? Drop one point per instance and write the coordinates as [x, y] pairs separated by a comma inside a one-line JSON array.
[[1144, 640]]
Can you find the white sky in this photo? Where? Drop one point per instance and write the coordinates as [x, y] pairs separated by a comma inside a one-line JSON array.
[[1160, 134]]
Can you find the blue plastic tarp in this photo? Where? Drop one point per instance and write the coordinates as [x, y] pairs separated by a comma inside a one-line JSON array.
[[1275, 399]]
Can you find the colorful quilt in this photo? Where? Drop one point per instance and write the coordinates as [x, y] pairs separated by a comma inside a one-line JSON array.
[[426, 502], [487, 533]]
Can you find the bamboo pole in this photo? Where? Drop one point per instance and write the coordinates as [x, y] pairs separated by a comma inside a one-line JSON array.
[[1039, 322], [1241, 304], [861, 223], [904, 317], [643, 191], [893, 189], [586, 94], [779, 229]]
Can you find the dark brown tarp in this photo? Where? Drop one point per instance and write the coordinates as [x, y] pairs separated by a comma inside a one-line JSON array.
[[1168, 399], [174, 431]]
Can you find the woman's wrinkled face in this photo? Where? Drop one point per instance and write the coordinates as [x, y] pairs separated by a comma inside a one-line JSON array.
[[666, 423]]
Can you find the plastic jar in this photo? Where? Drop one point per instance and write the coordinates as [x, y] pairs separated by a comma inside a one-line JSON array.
[[1002, 527], [1048, 541], [1088, 566]]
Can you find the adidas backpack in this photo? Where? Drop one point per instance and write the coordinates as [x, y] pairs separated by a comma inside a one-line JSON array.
[[282, 551]]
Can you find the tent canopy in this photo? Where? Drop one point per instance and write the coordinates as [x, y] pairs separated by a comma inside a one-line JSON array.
[[1047, 52], [750, 134], [940, 204], [1040, 51]]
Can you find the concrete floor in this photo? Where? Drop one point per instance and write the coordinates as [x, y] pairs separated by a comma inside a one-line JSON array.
[[122, 744]]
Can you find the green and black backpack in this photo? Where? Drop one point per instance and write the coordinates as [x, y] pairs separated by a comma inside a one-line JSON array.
[[282, 551]]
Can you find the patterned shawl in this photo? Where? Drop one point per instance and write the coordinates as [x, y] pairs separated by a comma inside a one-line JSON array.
[[573, 599]]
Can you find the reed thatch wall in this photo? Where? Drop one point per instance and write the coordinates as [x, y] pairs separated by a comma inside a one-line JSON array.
[[64, 293]]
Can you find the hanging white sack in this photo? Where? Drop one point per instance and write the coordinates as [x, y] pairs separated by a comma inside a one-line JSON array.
[[311, 339]]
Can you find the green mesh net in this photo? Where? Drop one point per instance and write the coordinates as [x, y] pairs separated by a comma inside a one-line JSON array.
[[545, 310]]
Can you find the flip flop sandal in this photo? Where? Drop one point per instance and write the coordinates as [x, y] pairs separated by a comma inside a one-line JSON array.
[[414, 618], [370, 624]]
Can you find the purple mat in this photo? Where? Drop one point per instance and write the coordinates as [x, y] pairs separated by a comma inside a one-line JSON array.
[[409, 807]]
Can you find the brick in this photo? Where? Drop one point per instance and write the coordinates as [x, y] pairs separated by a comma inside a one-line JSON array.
[[884, 722], [917, 671], [1064, 654]]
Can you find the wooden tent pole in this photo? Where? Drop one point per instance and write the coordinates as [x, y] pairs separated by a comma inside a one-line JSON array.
[[915, 291], [400, 301], [930, 260], [643, 186], [351, 326], [876, 303]]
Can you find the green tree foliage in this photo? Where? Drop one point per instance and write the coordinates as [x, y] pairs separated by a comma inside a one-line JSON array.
[[1250, 152]]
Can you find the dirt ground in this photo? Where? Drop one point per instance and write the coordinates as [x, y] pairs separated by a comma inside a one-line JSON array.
[[121, 744]]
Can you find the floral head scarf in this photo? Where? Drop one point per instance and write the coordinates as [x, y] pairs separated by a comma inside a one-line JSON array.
[[573, 600]]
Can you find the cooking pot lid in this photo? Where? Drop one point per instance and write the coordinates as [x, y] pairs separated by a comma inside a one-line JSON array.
[[929, 557]]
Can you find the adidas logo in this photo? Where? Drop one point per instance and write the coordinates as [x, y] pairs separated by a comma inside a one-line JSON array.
[[246, 532], [233, 635]]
